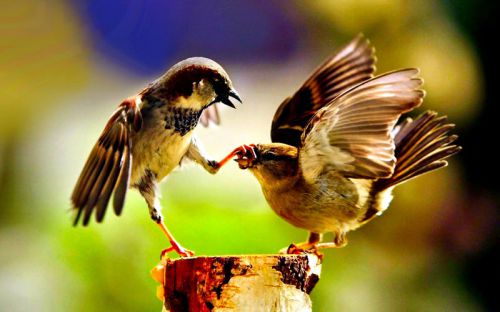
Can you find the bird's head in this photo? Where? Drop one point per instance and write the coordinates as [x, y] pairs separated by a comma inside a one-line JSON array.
[[274, 163], [195, 83]]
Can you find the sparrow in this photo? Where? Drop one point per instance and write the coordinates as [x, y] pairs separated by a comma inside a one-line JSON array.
[[337, 152], [148, 136]]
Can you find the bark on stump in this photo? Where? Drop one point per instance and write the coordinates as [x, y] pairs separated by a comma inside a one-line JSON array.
[[241, 283]]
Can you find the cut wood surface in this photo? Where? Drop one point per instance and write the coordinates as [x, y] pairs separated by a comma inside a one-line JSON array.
[[241, 283]]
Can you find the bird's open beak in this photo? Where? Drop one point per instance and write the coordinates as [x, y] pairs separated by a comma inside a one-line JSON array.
[[235, 95], [225, 100]]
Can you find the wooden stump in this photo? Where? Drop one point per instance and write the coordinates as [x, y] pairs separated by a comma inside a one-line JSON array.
[[241, 283]]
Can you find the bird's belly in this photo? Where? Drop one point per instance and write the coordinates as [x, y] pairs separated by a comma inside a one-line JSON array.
[[159, 152], [321, 213]]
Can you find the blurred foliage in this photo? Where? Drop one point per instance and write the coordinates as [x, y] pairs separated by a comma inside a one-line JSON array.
[[65, 65], [43, 56]]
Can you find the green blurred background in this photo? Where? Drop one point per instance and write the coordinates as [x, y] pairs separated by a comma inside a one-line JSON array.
[[65, 65]]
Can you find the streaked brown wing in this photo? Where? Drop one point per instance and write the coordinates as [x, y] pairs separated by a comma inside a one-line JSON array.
[[353, 134], [108, 166], [210, 114], [422, 145], [350, 66]]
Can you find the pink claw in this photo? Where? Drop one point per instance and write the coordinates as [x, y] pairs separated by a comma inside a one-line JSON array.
[[246, 151]]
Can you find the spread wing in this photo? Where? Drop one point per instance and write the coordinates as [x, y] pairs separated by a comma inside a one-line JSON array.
[[108, 166], [350, 66], [352, 135]]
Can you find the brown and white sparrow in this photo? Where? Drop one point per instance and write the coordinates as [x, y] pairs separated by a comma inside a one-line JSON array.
[[337, 152], [148, 136]]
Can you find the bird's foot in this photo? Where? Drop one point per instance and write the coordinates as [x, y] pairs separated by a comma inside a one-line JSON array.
[[301, 248], [181, 251], [213, 166], [247, 155], [240, 152], [175, 246]]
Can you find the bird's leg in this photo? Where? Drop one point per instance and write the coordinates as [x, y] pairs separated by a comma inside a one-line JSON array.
[[314, 244], [339, 241], [175, 246], [309, 246], [243, 152], [147, 188], [195, 152]]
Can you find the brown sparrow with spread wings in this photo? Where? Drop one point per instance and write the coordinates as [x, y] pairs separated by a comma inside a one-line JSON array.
[[337, 152], [148, 136]]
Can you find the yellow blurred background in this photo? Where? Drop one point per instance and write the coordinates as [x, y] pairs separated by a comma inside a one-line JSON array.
[[65, 65]]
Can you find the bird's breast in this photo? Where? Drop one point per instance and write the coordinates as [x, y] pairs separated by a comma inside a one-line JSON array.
[[163, 140], [178, 116], [181, 120]]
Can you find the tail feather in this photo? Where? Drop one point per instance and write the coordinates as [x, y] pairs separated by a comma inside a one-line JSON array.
[[422, 145]]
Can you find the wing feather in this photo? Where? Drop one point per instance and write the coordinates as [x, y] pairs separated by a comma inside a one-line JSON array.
[[96, 192], [350, 66], [352, 134], [116, 164], [123, 180], [108, 166]]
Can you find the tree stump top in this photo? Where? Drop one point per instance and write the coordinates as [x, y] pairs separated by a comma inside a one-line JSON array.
[[241, 283]]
